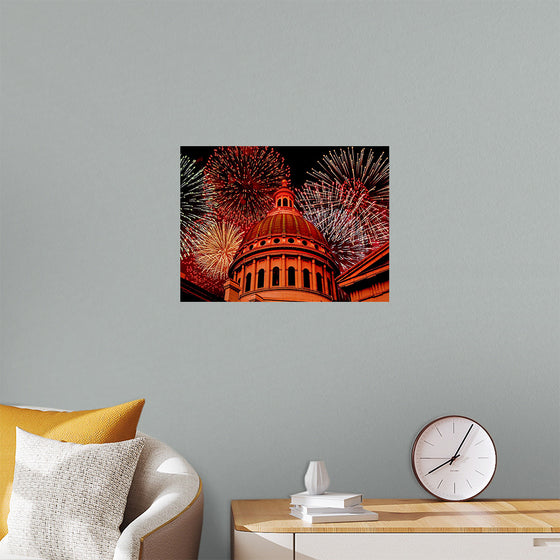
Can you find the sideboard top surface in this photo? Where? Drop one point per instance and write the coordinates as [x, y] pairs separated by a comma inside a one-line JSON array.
[[409, 516]]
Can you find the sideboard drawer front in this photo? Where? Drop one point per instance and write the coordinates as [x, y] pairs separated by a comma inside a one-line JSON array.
[[427, 546], [260, 546]]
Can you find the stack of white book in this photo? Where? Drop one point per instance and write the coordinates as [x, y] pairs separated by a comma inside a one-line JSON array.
[[330, 507]]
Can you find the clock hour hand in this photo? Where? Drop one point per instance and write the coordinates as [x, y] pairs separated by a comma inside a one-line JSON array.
[[443, 464], [461, 445]]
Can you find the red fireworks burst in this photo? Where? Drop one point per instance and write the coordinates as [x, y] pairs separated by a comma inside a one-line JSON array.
[[195, 274], [243, 180]]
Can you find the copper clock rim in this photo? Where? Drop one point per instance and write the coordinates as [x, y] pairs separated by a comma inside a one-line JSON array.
[[422, 430]]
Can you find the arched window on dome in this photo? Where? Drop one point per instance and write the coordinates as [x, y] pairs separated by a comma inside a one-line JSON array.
[[276, 276], [291, 276], [319, 283], [285, 203], [279, 202], [306, 278], [260, 278], [248, 282]]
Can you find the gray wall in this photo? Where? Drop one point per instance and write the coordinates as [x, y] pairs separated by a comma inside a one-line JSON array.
[[96, 100]]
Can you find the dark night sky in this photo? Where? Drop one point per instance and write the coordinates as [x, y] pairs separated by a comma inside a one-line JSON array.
[[300, 159]]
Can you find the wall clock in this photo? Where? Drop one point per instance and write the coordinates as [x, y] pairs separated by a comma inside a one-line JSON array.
[[454, 458]]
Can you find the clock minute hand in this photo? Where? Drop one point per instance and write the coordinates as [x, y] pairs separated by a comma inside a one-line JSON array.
[[443, 464], [461, 445]]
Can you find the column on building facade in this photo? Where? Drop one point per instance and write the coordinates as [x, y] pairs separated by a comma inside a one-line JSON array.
[[267, 273], [333, 287], [284, 272], [313, 276], [299, 279], [254, 275], [325, 280], [242, 280]]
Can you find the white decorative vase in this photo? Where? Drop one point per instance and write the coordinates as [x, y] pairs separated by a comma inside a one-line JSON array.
[[316, 478]]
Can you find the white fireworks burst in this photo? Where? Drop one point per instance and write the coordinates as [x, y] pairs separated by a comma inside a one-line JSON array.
[[352, 223], [345, 165], [194, 203], [215, 246]]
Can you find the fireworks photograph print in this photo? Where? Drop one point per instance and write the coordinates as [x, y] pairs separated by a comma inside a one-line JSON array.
[[284, 223]]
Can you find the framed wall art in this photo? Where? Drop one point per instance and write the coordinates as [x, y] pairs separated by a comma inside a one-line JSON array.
[[284, 223]]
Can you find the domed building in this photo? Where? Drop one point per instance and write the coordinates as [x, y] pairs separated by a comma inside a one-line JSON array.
[[283, 258]]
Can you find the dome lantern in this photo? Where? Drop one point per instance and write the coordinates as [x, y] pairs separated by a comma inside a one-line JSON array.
[[284, 197]]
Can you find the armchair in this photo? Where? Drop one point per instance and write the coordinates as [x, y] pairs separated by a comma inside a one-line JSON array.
[[163, 516]]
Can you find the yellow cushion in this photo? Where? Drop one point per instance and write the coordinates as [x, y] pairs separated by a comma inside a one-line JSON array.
[[104, 425]]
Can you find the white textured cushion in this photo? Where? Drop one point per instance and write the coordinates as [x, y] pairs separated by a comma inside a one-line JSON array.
[[17, 557], [68, 499]]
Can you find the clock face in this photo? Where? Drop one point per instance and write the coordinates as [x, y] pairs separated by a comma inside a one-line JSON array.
[[454, 458]]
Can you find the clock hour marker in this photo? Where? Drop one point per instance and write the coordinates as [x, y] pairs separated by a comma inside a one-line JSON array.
[[484, 457], [429, 443], [479, 472], [468, 482], [479, 442], [453, 426], [438, 432], [440, 483], [454, 489]]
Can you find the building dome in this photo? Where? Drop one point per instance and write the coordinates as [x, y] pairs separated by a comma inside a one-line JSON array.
[[283, 222], [283, 258], [280, 222]]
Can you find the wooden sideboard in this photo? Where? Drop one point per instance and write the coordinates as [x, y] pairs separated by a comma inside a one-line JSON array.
[[406, 529]]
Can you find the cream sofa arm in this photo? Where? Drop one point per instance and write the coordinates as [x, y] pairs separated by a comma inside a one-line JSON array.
[[158, 534], [163, 517]]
